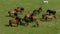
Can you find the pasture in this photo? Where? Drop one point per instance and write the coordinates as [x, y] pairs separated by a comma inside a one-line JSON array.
[[49, 27]]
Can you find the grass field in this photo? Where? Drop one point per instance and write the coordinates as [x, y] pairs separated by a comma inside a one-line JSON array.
[[50, 27]]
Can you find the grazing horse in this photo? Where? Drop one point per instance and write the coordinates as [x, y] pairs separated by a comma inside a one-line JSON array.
[[12, 12], [51, 12], [38, 10], [19, 9], [49, 17], [13, 21]]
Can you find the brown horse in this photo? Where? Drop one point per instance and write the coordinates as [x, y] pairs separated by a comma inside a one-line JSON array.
[[49, 17], [30, 16], [18, 9], [13, 21], [34, 17], [11, 12]]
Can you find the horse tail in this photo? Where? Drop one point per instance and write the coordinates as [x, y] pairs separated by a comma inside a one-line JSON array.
[[54, 16]]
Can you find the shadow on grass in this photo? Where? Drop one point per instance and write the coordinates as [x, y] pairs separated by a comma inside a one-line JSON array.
[[34, 26], [14, 25], [42, 20], [7, 25], [10, 26], [22, 24], [9, 16]]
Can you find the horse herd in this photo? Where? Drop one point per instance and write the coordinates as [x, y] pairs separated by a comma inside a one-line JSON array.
[[29, 17]]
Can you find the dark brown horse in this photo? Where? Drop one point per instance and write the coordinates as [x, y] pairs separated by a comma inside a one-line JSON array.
[[18, 9]]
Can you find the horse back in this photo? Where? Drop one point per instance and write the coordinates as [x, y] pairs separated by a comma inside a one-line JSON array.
[[50, 16], [13, 21]]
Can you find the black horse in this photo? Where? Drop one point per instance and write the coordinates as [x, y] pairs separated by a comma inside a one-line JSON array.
[[37, 10], [51, 12]]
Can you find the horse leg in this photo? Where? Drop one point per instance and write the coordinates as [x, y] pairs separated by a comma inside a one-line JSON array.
[[46, 19], [26, 23], [51, 18], [10, 24], [9, 14], [20, 22], [17, 24], [37, 24], [54, 16]]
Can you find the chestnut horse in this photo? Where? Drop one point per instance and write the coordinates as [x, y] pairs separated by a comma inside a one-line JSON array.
[[49, 17], [13, 21]]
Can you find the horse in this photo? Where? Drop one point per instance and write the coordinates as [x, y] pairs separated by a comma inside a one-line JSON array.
[[46, 17], [19, 9], [13, 21], [37, 10], [29, 17], [12, 12], [51, 12]]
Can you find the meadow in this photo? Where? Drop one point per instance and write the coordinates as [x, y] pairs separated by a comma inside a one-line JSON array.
[[49, 27]]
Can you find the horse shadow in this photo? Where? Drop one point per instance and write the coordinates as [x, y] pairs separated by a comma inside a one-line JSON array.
[[10, 26], [23, 24], [7, 25], [43, 20], [34, 26], [9, 16]]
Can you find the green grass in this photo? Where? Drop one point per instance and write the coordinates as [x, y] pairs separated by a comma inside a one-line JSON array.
[[50, 27]]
